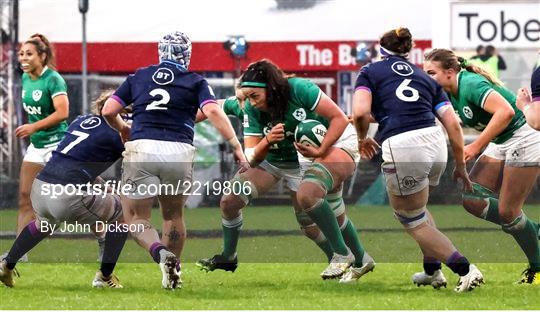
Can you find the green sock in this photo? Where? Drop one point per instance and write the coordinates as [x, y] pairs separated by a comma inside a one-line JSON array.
[[353, 242], [231, 233], [492, 213], [525, 233], [324, 217]]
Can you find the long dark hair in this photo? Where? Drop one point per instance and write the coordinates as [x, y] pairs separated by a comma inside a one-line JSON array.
[[449, 59], [266, 74]]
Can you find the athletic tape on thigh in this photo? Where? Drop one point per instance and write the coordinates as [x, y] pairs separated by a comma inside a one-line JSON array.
[[117, 213], [411, 218], [318, 174], [335, 200], [479, 192], [303, 219], [246, 198], [516, 225]]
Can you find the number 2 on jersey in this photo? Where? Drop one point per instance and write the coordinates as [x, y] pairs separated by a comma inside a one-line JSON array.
[[404, 86], [80, 137], [165, 98]]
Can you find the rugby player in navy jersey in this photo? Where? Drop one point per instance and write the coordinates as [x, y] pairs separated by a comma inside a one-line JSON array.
[[89, 147], [529, 102], [159, 154], [405, 102]]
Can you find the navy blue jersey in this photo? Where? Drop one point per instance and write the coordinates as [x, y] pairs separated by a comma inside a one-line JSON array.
[[535, 84], [165, 101], [404, 97], [89, 147]]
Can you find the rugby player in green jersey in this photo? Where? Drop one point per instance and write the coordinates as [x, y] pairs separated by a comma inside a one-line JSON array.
[[275, 104], [507, 169], [44, 98]]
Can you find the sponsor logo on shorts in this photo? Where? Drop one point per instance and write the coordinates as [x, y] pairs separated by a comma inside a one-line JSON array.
[[408, 182]]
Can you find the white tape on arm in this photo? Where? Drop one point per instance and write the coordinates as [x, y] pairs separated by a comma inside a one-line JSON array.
[[234, 142], [250, 153]]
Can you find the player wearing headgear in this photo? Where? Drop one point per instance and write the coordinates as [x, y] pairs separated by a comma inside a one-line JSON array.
[[509, 165], [165, 99], [529, 102], [89, 147], [405, 101], [275, 104]]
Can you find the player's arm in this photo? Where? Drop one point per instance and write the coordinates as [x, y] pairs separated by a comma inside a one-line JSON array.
[[221, 122], [450, 121], [502, 113], [361, 107], [61, 113], [201, 116], [111, 112], [257, 147], [338, 121], [530, 107], [362, 117]]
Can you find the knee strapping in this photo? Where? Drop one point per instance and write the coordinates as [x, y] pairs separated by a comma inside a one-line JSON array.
[[411, 218], [343, 225], [318, 203], [236, 222], [317, 173], [253, 193], [303, 219], [479, 192], [335, 200], [516, 225]]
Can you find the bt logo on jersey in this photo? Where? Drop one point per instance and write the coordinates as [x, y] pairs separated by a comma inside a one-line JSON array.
[[402, 68], [163, 76]]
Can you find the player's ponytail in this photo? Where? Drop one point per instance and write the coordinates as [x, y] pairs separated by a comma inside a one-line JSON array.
[[479, 70], [396, 41], [448, 59], [43, 46], [265, 74]]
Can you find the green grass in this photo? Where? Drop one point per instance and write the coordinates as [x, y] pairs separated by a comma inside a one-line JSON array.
[[259, 286], [276, 272]]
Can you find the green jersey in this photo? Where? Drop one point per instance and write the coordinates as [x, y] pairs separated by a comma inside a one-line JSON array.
[[232, 107], [37, 98], [304, 98], [473, 90]]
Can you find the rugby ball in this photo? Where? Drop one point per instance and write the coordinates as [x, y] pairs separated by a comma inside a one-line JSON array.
[[310, 132]]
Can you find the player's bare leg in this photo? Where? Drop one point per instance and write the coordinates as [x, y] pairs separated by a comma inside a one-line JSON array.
[[516, 186], [410, 211], [174, 229]]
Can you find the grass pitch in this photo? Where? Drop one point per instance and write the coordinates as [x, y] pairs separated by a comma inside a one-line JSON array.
[[279, 268]]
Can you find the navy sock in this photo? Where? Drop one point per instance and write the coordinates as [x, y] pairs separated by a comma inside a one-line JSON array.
[[431, 265], [29, 237], [114, 242], [154, 251], [458, 264]]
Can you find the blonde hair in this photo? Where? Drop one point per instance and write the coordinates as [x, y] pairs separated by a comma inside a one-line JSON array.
[[98, 104], [449, 59]]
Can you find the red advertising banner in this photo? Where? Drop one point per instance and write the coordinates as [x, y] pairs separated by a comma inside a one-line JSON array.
[[211, 56]]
